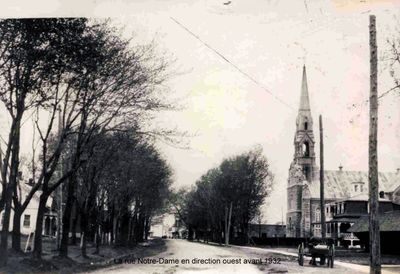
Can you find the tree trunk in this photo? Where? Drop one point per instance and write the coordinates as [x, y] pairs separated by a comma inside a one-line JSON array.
[[228, 215], [84, 233], [139, 228], [146, 228], [123, 228], [74, 224], [16, 233], [12, 182], [37, 251], [97, 239], [5, 228], [67, 217], [114, 234]]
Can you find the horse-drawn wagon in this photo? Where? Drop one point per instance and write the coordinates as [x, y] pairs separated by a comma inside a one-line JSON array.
[[324, 249]]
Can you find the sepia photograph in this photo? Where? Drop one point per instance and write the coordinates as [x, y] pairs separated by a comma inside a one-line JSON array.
[[200, 136]]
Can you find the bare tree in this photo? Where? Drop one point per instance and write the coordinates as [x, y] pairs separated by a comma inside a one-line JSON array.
[[393, 59], [31, 59]]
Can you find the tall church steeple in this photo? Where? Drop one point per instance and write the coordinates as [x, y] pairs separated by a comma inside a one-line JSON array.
[[304, 137], [302, 168], [304, 112], [304, 100]]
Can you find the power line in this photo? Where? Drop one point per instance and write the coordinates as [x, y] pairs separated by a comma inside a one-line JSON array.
[[232, 64]]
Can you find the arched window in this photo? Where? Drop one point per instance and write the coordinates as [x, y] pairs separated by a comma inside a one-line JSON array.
[[306, 149]]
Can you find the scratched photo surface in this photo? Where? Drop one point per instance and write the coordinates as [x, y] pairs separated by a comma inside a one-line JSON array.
[[172, 136]]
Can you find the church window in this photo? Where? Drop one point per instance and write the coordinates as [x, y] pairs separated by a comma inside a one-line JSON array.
[[305, 125], [306, 149], [306, 172]]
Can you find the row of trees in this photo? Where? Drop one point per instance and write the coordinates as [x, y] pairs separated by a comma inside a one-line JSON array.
[[118, 190], [226, 198], [80, 82]]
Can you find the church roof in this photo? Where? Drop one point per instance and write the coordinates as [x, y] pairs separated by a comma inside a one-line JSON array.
[[339, 183]]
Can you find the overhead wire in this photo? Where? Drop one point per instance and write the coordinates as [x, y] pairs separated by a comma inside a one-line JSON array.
[[255, 81]]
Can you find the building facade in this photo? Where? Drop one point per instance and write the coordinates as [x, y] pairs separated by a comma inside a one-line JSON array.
[[29, 216], [303, 215]]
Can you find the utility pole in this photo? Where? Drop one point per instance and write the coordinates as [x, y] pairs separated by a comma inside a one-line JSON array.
[[59, 190], [321, 177], [374, 231]]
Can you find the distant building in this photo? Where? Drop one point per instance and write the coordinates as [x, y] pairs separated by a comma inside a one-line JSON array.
[[303, 217], [267, 231], [163, 225]]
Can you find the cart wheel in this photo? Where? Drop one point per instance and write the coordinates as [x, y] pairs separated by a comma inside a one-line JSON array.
[[300, 257]]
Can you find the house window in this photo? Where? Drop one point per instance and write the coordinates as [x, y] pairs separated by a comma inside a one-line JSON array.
[[317, 230], [317, 215], [27, 220], [361, 188], [355, 188]]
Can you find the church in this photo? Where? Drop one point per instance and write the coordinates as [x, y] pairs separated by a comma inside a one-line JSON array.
[[342, 187]]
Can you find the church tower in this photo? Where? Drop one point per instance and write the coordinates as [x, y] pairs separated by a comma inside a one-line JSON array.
[[302, 169], [304, 154]]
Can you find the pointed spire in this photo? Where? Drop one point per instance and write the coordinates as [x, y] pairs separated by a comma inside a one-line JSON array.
[[304, 100]]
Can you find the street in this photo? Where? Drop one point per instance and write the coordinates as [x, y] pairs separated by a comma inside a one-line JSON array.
[[217, 259]]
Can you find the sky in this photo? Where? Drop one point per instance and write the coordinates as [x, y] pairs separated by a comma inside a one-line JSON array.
[[231, 107]]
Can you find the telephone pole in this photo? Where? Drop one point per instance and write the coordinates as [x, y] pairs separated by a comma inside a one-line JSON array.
[[59, 190], [374, 231], [321, 177]]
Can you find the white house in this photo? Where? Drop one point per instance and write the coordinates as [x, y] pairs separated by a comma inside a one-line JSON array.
[[28, 217]]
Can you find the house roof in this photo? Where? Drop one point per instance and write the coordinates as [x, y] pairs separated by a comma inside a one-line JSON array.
[[338, 183], [389, 221], [361, 197]]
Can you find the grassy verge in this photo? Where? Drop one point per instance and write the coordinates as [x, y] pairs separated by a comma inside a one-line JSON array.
[[75, 263]]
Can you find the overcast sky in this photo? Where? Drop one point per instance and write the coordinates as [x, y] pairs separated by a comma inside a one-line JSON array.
[[269, 41]]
